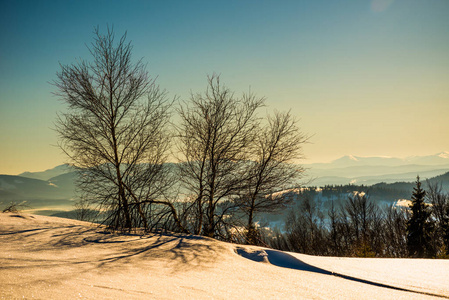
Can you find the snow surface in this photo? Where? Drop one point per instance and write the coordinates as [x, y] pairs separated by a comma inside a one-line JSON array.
[[54, 258], [403, 203], [352, 157]]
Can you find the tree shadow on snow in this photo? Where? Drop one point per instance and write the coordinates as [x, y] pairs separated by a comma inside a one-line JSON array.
[[97, 248], [285, 260], [180, 252], [279, 259]]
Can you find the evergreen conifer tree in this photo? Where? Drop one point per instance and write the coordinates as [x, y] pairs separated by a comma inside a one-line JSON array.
[[419, 226]]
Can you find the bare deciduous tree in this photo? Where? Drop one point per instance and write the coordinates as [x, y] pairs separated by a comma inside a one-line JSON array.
[[362, 214], [271, 168], [395, 231], [115, 132], [305, 228], [438, 199], [230, 163], [14, 207], [440, 214], [215, 132]]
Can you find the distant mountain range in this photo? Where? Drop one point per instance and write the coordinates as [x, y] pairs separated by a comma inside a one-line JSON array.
[[372, 170], [351, 160], [54, 189], [53, 194], [47, 174]]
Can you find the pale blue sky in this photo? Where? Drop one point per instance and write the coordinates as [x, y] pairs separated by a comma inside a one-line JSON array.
[[365, 77]]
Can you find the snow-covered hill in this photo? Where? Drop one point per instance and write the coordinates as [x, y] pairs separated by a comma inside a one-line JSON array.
[[54, 258]]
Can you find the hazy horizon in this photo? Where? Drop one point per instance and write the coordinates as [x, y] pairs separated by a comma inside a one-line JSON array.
[[365, 78], [303, 162]]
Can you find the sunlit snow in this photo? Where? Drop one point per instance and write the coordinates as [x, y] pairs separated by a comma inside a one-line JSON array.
[[54, 258]]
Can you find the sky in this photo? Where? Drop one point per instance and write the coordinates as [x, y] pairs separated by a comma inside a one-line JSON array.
[[366, 78]]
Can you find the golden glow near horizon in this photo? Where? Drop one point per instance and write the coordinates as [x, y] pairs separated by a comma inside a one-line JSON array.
[[367, 78]]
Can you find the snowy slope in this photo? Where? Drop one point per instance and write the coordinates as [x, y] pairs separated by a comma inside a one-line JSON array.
[[53, 258]]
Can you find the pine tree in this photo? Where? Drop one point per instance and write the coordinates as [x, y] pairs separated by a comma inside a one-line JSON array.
[[419, 226]]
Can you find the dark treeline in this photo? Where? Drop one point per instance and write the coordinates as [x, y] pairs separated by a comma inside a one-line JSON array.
[[380, 191], [360, 227]]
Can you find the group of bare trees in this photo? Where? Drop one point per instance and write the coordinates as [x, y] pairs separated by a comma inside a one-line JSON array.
[[438, 205], [348, 230], [231, 163], [117, 133], [360, 227]]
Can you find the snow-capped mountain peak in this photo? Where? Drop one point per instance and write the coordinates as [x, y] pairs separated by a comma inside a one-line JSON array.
[[444, 154], [352, 157]]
